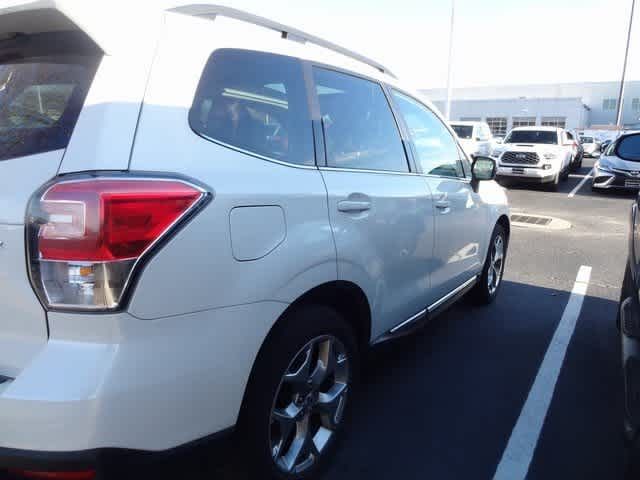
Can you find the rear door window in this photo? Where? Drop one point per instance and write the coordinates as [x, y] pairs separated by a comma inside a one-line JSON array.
[[359, 127], [42, 92], [255, 102]]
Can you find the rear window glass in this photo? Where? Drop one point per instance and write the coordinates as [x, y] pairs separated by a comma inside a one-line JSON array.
[[463, 131], [255, 102], [42, 91], [532, 136], [586, 139], [629, 148]]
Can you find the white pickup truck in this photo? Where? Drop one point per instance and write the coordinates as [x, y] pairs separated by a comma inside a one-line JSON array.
[[536, 155]]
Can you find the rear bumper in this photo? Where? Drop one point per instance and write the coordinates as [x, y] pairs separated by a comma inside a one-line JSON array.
[[114, 383], [217, 446]]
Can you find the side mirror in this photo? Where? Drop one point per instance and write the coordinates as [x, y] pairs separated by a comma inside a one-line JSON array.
[[483, 169]]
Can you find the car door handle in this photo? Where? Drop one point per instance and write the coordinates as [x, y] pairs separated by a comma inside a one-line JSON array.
[[444, 206], [354, 206]]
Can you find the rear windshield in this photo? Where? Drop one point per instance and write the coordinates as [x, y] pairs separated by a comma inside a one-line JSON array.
[[586, 139], [43, 84], [629, 148], [463, 131], [532, 136]]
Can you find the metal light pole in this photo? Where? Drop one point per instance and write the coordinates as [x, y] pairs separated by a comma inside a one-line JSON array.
[[447, 112], [624, 69]]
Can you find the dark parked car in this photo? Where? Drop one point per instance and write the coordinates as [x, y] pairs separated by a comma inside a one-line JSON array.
[[629, 322]]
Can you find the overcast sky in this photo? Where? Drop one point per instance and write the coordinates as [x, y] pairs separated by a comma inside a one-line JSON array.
[[497, 42]]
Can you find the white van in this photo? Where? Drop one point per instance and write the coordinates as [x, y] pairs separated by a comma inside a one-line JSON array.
[[475, 137]]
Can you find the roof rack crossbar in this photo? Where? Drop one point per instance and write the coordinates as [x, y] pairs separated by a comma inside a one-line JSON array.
[[211, 11]]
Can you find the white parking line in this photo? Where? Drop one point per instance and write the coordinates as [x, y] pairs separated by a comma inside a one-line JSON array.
[[580, 185], [517, 457]]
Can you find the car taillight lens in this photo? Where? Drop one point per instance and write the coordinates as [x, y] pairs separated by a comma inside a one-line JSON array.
[[86, 236]]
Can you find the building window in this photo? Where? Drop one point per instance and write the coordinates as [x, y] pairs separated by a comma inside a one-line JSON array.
[[635, 105], [524, 122], [559, 122], [609, 104], [472, 119], [498, 126]]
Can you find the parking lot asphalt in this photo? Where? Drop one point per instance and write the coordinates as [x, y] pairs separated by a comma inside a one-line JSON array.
[[443, 403]]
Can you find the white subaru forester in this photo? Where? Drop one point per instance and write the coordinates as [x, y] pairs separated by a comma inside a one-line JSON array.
[[206, 217]]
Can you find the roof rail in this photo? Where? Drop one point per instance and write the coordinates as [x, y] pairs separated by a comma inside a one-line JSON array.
[[211, 11]]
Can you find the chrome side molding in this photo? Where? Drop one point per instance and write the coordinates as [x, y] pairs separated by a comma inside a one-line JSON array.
[[434, 306], [452, 294], [421, 314]]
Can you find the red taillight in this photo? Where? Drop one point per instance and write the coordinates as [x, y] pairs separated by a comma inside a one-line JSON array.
[[87, 235], [105, 220]]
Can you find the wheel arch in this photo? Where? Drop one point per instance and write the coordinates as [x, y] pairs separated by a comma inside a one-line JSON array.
[[345, 297]]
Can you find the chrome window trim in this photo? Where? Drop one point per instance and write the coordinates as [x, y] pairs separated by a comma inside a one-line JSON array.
[[392, 172], [364, 170]]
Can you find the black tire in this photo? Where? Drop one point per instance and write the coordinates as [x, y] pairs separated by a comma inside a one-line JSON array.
[[626, 292], [281, 348], [482, 293]]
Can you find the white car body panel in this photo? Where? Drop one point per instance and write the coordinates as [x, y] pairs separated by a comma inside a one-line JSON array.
[[23, 325], [387, 250], [460, 235], [134, 384]]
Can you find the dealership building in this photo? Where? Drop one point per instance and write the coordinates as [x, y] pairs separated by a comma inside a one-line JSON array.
[[578, 106]]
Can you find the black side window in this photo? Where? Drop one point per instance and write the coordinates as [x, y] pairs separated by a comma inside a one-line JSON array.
[[436, 149], [255, 102], [360, 130]]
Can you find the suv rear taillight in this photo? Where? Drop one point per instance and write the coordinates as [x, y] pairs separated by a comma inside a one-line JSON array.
[[86, 237]]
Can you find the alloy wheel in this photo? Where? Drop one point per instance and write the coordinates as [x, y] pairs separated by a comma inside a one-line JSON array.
[[309, 404], [496, 263]]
